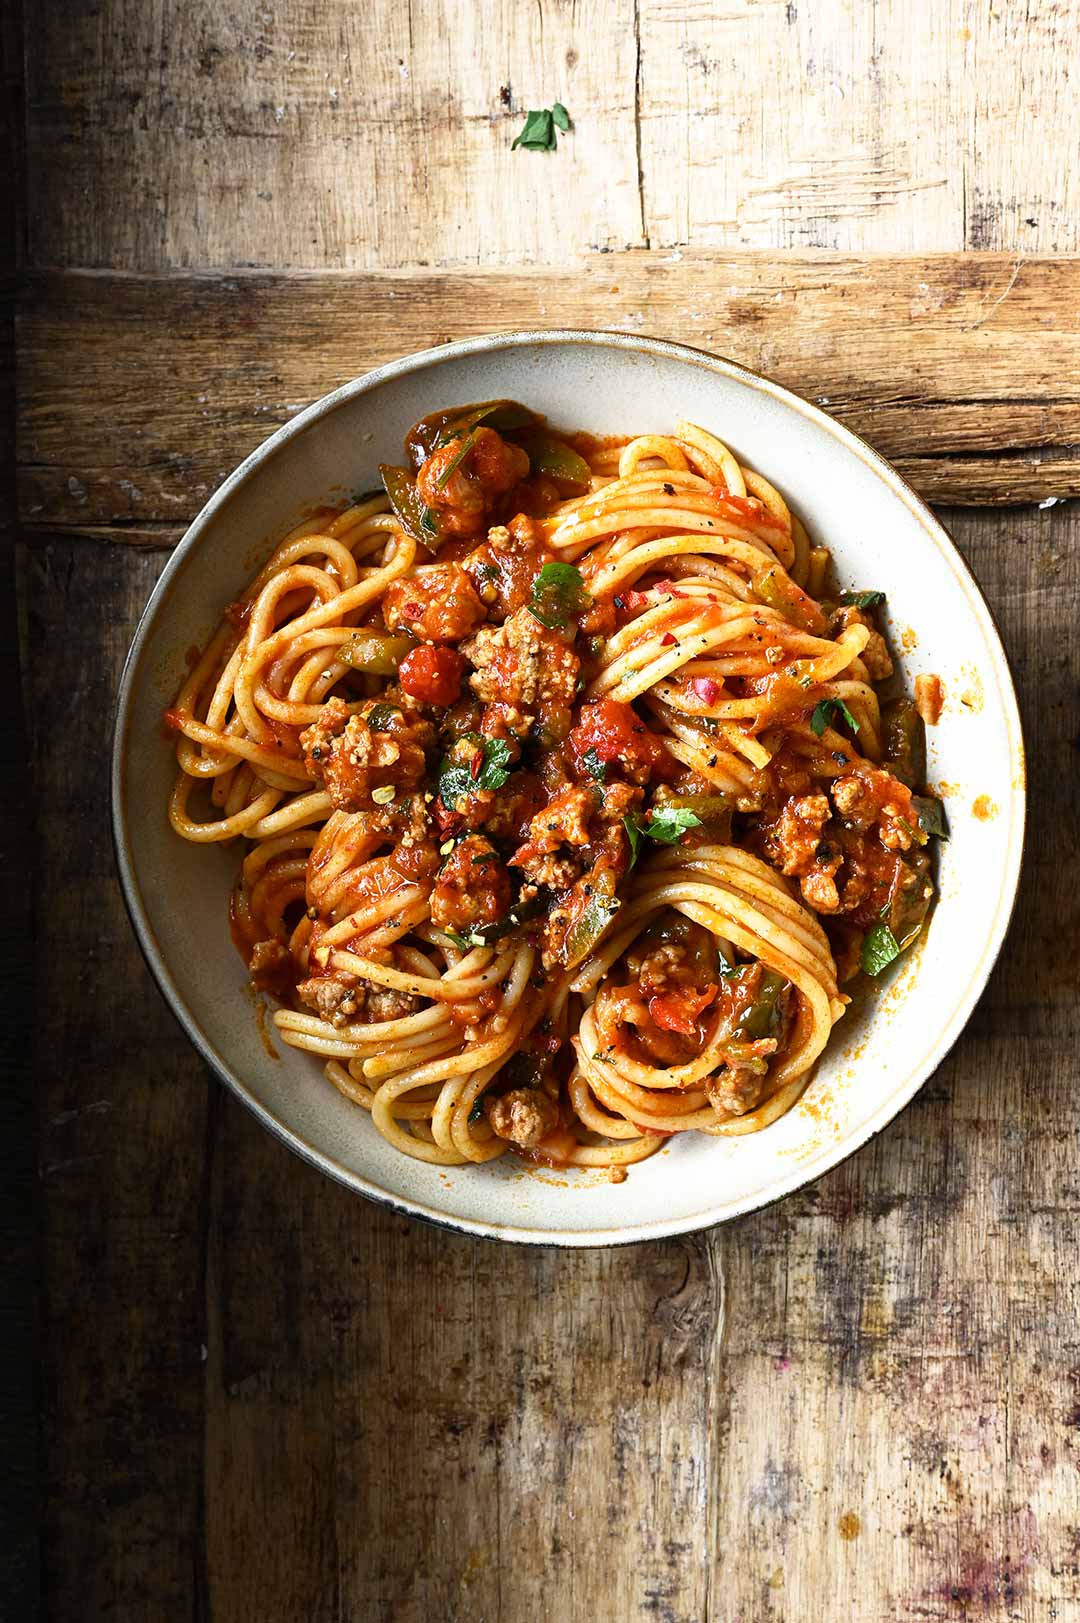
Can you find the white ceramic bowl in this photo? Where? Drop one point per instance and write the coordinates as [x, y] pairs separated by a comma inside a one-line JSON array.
[[882, 536]]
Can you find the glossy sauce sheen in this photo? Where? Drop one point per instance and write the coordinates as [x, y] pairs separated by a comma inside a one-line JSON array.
[[476, 766]]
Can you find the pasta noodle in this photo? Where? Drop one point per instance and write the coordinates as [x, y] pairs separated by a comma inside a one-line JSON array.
[[568, 799]]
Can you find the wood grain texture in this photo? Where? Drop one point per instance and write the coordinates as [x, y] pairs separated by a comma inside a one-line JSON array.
[[467, 1431], [19, 1426], [869, 1393], [122, 1126], [312, 134], [965, 371], [262, 1397]]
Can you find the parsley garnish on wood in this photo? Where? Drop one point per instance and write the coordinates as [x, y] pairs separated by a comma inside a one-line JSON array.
[[538, 132], [558, 595]]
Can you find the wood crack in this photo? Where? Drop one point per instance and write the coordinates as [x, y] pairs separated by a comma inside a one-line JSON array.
[[638, 67]]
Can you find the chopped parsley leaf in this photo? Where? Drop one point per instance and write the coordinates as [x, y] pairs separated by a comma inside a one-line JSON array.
[[595, 767], [667, 824], [538, 132], [457, 780], [558, 595], [824, 713]]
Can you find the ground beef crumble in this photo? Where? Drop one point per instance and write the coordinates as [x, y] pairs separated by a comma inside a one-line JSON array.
[[524, 1116], [342, 752], [528, 669]]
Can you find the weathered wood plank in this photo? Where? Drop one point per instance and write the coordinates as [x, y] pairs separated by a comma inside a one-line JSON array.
[[331, 135], [466, 1430], [325, 125], [903, 1337], [963, 370], [122, 1129], [862, 128], [396, 1423], [20, 1489]]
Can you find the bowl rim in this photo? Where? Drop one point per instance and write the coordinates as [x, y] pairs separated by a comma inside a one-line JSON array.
[[828, 1156]]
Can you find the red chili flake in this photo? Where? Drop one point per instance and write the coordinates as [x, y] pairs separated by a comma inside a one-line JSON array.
[[413, 611], [678, 1010], [447, 820], [635, 599], [667, 640], [670, 587], [476, 764], [706, 689]]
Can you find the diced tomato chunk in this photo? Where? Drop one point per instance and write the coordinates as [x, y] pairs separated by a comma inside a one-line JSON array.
[[432, 675], [617, 734], [678, 1010]]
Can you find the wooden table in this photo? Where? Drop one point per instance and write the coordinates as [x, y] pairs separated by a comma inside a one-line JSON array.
[[264, 1398]]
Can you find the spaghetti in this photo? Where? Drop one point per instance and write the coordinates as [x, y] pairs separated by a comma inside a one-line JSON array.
[[568, 797]]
